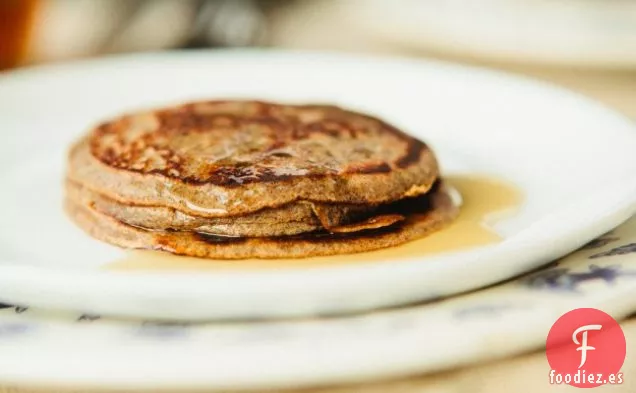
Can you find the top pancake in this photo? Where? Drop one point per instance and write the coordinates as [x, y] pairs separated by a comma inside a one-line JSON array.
[[224, 158]]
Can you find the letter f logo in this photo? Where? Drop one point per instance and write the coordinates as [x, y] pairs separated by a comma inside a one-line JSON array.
[[583, 344]]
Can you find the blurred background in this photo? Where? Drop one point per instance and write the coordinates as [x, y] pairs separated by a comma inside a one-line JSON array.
[[586, 45]]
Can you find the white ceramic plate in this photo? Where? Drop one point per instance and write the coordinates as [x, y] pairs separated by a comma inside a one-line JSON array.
[[573, 160], [48, 350]]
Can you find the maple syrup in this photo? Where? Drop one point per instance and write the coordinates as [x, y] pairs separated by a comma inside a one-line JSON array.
[[485, 200]]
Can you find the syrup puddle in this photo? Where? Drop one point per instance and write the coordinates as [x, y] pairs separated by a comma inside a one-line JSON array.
[[485, 201]]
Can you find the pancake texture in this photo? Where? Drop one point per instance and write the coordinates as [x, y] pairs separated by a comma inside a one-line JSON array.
[[241, 179], [225, 158], [431, 213], [289, 219]]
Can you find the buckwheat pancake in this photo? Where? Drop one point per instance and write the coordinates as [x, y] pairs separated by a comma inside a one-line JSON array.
[[226, 158], [277, 180], [421, 216], [291, 219]]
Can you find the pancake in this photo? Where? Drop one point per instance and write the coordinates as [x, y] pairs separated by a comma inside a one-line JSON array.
[[422, 216], [291, 219], [229, 158], [248, 179]]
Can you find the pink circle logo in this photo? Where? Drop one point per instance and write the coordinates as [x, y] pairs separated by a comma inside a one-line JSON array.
[[586, 348]]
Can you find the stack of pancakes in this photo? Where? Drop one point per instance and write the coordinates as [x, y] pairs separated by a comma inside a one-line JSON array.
[[241, 179]]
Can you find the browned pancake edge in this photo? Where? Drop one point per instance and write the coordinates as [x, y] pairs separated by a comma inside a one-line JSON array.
[[440, 211], [224, 158]]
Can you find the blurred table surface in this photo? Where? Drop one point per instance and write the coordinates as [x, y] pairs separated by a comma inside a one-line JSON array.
[[523, 374], [320, 25]]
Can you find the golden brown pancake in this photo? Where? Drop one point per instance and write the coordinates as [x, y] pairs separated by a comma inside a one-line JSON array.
[[278, 180], [226, 158], [423, 215], [290, 219]]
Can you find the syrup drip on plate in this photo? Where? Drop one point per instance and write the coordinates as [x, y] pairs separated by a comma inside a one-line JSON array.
[[485, 201]]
